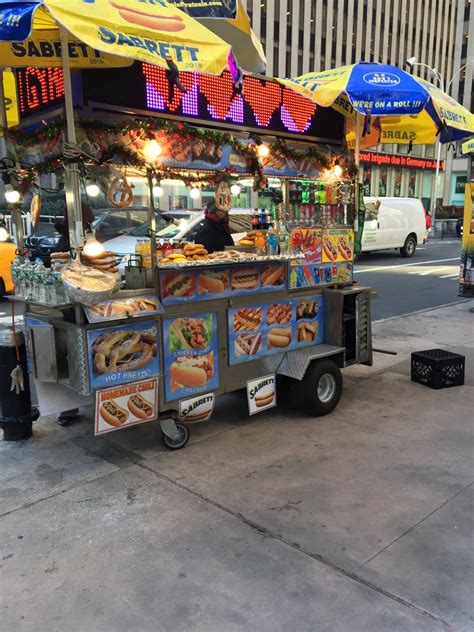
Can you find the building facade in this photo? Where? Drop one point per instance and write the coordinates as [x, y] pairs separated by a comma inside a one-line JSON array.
[[301, 36]]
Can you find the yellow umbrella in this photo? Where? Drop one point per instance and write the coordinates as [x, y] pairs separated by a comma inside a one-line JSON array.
[[468, 147]]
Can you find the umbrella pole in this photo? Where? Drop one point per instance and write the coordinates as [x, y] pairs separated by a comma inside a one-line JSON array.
[[71, 171], [17, 220], [357, 162], [436, 183]]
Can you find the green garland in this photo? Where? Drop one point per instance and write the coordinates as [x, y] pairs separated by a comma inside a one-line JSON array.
[[146, 129]]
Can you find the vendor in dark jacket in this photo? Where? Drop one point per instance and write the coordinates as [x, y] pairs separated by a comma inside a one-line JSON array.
[[215, 234]]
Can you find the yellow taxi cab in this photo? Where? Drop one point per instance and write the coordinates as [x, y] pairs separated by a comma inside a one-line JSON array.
[[7, 255]]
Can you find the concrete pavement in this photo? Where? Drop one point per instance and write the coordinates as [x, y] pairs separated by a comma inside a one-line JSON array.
[[359, 521]]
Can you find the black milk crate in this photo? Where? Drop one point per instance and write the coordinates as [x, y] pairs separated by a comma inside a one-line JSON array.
[[437, 368]]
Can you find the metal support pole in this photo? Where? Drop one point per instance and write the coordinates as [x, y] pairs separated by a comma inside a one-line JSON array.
[[152, 221], [357, 162], [17, 222], [71, 172]]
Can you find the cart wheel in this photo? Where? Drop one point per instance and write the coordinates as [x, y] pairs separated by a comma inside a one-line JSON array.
[[319, 392], [172, 444]]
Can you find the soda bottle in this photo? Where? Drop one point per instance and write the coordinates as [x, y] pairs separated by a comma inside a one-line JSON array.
[[272, 243], [260, 243]]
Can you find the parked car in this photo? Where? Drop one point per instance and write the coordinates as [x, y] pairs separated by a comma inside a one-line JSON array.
[[397, 223], [7, 255], [184, 226], [108, 224]]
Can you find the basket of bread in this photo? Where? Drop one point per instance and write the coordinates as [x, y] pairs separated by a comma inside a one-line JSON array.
[[91, 279]]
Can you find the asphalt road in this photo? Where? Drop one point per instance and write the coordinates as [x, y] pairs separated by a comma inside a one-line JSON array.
[[429, 279]]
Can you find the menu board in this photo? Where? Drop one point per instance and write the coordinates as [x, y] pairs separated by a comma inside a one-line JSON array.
[[124, 406], [181, 286], [337, 245], [190, 355], [263, 329], [309, 275], [122, 354]]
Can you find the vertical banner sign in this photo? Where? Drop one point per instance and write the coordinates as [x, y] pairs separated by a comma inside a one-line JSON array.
[[261, 394], [11, 98], [466, 274], [124, 406]]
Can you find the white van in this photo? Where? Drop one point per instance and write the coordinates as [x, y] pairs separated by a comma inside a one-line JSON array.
[[393, 223]]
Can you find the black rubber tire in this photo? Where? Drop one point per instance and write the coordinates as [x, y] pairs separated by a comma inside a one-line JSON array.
[[304, 393], [2, 287], [409, 248], [176, 445]]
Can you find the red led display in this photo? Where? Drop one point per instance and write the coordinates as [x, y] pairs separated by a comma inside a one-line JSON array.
[[38, 88]]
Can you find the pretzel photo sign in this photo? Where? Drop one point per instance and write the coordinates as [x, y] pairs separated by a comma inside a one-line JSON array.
[[120, 193], [223, 197]]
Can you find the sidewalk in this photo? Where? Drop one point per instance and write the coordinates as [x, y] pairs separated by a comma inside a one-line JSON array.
[[360, 521]]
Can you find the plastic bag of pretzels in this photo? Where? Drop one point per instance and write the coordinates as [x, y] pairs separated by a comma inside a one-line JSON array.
[[89, 285]]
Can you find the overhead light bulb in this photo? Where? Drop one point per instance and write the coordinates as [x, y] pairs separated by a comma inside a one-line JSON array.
[[157, 191], [12, 196], [410, 62], [93, 248], [235, 189], [195, 193], [152, 150], [337, 170], [263, 150], [92, 190]]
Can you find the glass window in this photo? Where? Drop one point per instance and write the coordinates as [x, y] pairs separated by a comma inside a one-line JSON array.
[[384, 181], [239, 223], [417, 150], [367, 181], [412, 184], [429, 151], [402, 149], [397, 183]]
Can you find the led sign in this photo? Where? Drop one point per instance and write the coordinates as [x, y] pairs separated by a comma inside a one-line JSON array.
[[375, 158]]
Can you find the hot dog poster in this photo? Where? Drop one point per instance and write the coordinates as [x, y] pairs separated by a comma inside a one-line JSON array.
[[124, 406], [180, 286], [261, 394], [191, 355], [124, 353], [260, 330], [310, 275], [337, 245]]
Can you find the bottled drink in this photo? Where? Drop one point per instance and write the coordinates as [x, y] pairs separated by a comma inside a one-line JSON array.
[[38, 281], [166, 248], [283, 239], [272, 243], [260, 243], [255, 219]]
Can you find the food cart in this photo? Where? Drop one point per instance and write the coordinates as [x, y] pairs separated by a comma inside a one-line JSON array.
[[190, 327]]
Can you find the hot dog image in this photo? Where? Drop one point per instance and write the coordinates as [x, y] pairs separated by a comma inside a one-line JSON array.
[[124, 350], [150, 19], [178, 284], [307, 332], [214, 282], [192, 371], [279, 314], [245, 279], [344, 248], [273, 275], [113, 414], [139, 406], [279, 337], [189, 333], [264, 400], [247, 319], [329, 248], [247, 345]]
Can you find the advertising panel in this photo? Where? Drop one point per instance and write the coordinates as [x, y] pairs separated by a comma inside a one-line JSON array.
[[309, 275], [338, 245], [124, 406], [197, 408], [261, 394], [181, 286], [259, 330], [190, 355], [122, 354]]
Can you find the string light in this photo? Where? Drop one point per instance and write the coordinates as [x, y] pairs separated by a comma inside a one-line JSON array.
[[152, 150], [263, 150], [158, 191], [337, 170], [235, 189], [195, 193]]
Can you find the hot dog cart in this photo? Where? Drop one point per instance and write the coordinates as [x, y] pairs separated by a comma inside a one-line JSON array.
[[235, 321]]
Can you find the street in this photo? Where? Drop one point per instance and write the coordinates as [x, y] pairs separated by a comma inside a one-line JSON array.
[[429, 279]]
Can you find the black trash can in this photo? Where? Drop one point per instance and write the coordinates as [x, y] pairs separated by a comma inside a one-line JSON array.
[[16, 412]]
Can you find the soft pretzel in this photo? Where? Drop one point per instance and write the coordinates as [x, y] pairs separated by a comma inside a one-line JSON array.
[[126, 348]]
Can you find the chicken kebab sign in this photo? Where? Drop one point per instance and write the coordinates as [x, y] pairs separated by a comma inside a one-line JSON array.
[[190, 355]]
